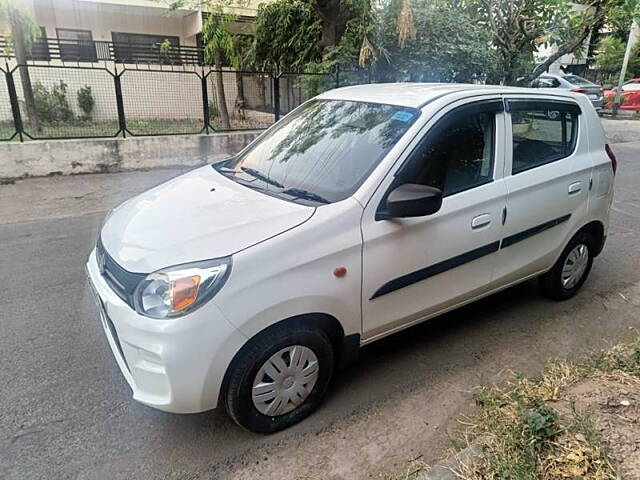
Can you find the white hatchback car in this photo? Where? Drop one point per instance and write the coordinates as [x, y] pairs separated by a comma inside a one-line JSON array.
[[366, 210]]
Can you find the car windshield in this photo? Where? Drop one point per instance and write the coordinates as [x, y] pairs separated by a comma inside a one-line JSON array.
[[322, 152], [576, 80]]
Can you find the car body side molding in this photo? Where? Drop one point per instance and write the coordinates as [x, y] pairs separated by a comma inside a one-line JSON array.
[[520, 236], [435, 269], [441, 267]]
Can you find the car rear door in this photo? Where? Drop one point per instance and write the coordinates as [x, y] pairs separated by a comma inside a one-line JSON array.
[[547, 174], [416, 267]]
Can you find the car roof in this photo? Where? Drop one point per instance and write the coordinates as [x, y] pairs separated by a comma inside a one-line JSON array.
[[417, 95]]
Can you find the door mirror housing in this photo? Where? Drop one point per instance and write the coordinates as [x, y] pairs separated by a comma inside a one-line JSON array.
[[411, 200]]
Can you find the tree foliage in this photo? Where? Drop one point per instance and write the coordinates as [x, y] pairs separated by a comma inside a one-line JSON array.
[[519, 28], [611, 55], [287, 35], [449, 46]]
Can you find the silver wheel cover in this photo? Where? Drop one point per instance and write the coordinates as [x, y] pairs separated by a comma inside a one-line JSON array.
[[574, 266], [285, 380]]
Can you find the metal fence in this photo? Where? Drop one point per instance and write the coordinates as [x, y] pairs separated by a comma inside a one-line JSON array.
[[109, 100]]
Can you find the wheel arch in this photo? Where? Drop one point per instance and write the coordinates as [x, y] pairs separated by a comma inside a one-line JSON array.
[[595, 229], [345, 346]]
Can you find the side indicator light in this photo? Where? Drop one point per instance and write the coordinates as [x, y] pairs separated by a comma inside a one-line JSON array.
[[340, 272]]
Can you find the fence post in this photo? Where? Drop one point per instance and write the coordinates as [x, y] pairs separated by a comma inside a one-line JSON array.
[[205, 102], [15, 105], [276, 95], [338, 75], [122, 122]]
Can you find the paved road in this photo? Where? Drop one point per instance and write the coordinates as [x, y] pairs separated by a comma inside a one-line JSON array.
[[66, 412]]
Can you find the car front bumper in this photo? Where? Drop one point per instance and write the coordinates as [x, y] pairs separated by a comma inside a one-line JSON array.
[[175, 365]]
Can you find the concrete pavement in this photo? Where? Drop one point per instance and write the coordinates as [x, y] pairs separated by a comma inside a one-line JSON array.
[[66, 412]]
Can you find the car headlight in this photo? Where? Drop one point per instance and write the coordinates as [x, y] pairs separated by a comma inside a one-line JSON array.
[[176, 291]]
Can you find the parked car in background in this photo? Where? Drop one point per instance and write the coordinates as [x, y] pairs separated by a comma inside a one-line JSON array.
[[574, 84], [630, 95], [368, 209]]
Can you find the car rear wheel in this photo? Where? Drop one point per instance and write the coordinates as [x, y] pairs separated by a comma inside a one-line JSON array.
[[570, 271], [279, 378]]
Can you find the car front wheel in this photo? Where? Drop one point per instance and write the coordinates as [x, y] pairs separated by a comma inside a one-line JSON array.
[[279, 378]]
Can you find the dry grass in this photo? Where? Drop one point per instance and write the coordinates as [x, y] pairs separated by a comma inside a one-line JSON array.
[[525, 437]]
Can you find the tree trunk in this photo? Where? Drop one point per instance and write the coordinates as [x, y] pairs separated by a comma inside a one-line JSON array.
[[17, 32], [221, 98], [332, 24], [262, 91], [240, 102]]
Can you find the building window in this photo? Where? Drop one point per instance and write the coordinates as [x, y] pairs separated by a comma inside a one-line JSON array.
[[40, 47], [142, 48], [76, 45]]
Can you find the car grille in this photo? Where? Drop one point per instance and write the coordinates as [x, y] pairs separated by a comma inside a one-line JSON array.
[[121, 281]]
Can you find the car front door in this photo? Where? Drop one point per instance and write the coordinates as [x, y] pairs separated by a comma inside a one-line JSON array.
[[416, 267], [547, 173]]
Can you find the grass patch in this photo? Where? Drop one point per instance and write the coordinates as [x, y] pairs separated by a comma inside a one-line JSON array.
[[528, 436]]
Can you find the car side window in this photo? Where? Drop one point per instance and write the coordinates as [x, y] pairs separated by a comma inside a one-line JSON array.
[[457, 153], [630, 87], [543, 132]]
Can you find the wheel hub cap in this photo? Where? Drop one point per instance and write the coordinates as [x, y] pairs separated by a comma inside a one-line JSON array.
[[285, 380], [574, 266]]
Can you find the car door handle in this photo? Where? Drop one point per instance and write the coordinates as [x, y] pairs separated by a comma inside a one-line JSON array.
[[575, 188], [481, 221]]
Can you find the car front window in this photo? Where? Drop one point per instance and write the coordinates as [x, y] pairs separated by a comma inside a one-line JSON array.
[[322, 152]]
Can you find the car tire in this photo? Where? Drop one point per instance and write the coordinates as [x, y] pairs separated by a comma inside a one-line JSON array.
[[292, 354], [571, 270]]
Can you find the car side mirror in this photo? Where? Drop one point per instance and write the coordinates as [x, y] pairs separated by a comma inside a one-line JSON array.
[[411, 200]]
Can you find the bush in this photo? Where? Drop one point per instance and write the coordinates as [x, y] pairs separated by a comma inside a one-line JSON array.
[[86, 101], [52, 105]]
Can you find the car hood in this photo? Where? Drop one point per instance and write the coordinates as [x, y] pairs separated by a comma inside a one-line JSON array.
[[196, 216]]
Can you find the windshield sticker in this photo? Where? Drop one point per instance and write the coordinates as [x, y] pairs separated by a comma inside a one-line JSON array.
[[402, 116]]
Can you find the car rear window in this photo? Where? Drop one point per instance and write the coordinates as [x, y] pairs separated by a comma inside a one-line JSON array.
[[543, 132], [576, 80]]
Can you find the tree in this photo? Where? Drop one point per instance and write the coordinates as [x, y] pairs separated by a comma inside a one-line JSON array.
[[288, 34], [610, 58], [439, 49], [23, 32], [520, 27], [218, 42]]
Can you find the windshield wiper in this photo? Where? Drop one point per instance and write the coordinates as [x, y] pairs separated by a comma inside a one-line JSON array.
[[261, 176], [305, 194]]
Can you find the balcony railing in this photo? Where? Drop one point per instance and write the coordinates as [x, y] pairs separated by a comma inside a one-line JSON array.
[[46, 49]]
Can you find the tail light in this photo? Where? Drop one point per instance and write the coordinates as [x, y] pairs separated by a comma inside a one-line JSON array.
[[579, 90], [612, 157]]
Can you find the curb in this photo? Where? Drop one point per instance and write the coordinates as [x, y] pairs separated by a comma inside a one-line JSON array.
[[447, 468]]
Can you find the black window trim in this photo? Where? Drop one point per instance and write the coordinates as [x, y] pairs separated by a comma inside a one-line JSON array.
[[92, 57], [495, 105], [519, 105]]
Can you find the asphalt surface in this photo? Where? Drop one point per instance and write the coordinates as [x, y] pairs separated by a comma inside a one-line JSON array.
[[66, 411]]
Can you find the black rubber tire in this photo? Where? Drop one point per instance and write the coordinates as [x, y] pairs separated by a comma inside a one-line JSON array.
[[237, 395], [551, 282]]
